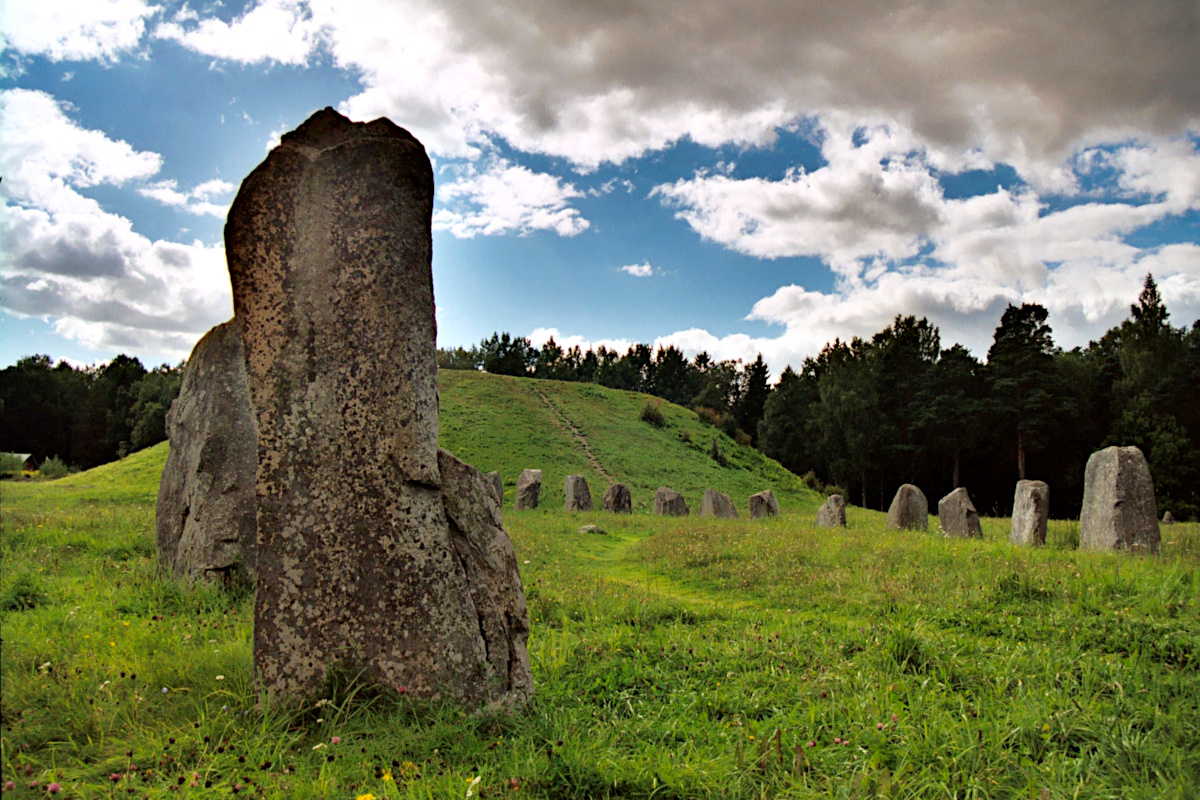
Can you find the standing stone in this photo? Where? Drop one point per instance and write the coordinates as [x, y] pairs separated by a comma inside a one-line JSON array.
[[909, 510], [669, 503], [377, 556], [1119, 510], [717, 504], [493, 479], [1168, 519], [204, 517], [958, 516], [763, 504], [832, 513], [579, 497], [529, 489], [1031, 510], [618, 500]]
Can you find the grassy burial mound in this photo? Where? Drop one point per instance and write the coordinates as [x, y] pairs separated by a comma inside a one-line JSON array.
[[673, 658], [508, 424]]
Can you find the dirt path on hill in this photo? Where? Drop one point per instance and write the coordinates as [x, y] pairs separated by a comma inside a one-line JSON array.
[[564, 422]]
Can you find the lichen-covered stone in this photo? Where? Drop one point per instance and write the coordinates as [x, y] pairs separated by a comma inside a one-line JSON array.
[[376, 557], [1119, 509], [958, 517], [669, 503], [529, 490], [909, 510], [832, 513], [717, 504], [763, 505], [596, 529], [618, 500], [578, 495], [1168, 519], [1031, 510], [493, 479], [204, 518]]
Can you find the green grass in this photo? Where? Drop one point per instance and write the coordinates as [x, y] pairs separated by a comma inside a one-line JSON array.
[[673, 658]]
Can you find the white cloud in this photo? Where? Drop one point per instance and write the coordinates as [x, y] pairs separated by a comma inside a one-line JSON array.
[[643, 270], [74, 30], [272, 30], [506, 198], [66, 259], [1025, 84], [197, 201]]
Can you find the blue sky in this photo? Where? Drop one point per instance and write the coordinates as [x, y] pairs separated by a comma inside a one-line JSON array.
[[732, 177]]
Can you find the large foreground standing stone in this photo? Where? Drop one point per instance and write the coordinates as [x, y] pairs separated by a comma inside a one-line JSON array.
[[493, 478], [763, 504], [204, 518], [669, 503], [529, 489], [376, 557], [958, 517], [1119, 510], [717, 504], [1031, 510], [578, 496], [832, 513], [909, 510], [618, 500]]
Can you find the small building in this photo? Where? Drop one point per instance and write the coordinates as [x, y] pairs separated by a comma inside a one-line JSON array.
[[24, 459]]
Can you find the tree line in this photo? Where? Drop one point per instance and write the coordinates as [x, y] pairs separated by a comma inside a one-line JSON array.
[[84, 416], [870, 414]]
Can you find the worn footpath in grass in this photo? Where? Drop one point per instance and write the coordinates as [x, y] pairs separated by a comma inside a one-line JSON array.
[[673, 658]]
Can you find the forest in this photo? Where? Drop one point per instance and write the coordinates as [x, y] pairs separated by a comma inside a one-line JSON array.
[[870, 414], [865, 415]]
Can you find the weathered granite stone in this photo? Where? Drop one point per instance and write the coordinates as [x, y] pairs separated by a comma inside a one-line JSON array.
[[669, 503], [909, 510], [1168, 519], [832, 513], [1119, 510], [529, 489], [958, 517], [578, 496], [205, 513], [493, 479], [1031, 510], [592, 529], [376, 556], [618, 500], [497, 597], [717, 504], [763, 504]]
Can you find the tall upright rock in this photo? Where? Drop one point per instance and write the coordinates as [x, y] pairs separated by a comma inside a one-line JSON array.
[[717, 504], [529, 490], [578, 495], [909, 510], [832, 513], [617, 499], [763, 505], [204, 518], [958, 517], [1119, 509], [669, 503], [1031, 511], [376, 556]]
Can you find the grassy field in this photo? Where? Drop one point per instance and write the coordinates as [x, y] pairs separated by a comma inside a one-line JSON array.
[[673, 658]]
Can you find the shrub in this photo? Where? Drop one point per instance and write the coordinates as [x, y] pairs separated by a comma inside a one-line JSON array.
[[716, 455], [811, 480], [53, 467], [653, 415], [833, 488], [742, 438], [709, 416], [10, 463], [685, 437]]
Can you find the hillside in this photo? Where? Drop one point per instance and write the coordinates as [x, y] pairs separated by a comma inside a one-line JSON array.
[[508, 424]]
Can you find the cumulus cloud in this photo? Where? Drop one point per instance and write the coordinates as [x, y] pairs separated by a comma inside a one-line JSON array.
[[196, 201], [67, 259], [281, 31], [643, 270], [1026, 84], [506, 198], [74, 30]]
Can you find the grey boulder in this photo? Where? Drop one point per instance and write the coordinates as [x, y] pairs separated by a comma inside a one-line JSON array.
[[909, 510], [1119, 509], [618, 500], [1031, 510], [717, 504], [958, 516], [578, 496], [763, 505], [669, 503], [832, 513], [529, 489]]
